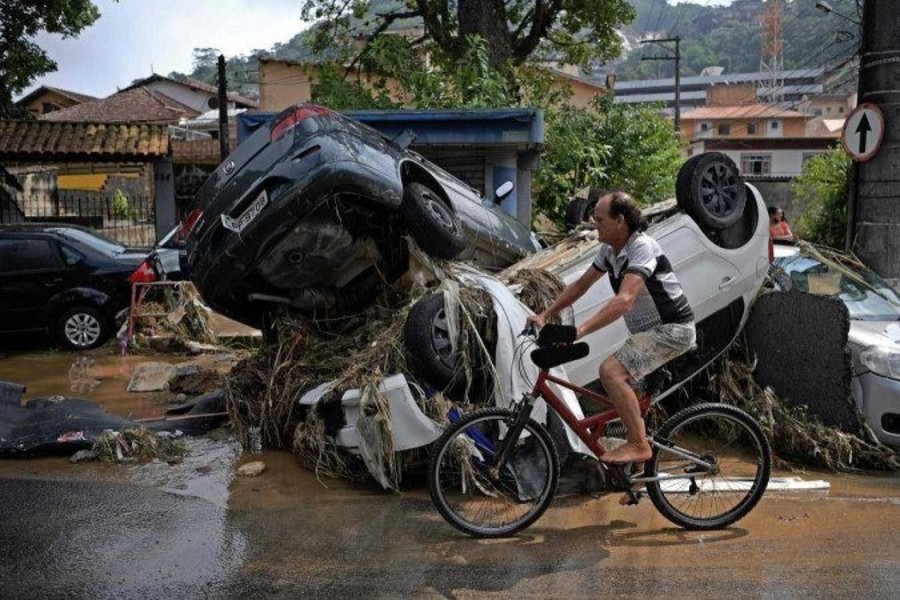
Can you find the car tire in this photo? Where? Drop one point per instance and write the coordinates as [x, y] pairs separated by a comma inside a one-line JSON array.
[[427, 341], [82, 328], [431, 222], [710, 189]]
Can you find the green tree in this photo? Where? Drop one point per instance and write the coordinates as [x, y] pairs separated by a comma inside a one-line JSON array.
[[823, 185], [646, 150], [21, 60], [572, 31]]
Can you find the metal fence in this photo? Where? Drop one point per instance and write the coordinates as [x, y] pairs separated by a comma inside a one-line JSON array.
[[128, 219]]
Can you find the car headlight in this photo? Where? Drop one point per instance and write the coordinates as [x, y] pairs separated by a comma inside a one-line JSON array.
[[881, 360]]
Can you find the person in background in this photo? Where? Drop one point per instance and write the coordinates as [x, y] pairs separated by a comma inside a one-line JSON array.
[[778, 227]]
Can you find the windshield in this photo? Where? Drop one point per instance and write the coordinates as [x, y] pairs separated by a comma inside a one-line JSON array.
[[94, 240], [867, 296]]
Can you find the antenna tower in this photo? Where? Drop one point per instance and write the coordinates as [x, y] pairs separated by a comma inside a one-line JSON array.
[[771, 57]]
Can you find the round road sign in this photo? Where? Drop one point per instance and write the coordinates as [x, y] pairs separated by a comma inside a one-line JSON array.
[[863, 132]]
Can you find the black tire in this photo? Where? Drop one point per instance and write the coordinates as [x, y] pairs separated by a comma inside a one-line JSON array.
[[702, 430], [511, 490], [82, 328], [710, 189], [431, 222], [426, 337]]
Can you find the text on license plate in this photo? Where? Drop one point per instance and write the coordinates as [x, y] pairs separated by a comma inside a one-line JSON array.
[[238, 224]]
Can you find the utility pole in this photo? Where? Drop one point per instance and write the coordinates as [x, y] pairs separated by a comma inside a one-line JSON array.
[[223, 109], [874, 219], [677, 58]]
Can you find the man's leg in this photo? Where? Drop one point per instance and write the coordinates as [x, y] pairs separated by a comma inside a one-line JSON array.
[[616, 382]]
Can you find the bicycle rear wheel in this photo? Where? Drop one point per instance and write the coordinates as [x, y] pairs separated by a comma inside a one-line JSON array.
[[738, 464], [477, 498]]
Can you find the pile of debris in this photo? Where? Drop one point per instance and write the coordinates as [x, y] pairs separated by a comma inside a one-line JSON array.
[[796, 437], [169, 318], [355, 356]]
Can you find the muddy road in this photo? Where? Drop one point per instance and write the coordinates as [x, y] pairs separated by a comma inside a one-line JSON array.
[[194, 530]]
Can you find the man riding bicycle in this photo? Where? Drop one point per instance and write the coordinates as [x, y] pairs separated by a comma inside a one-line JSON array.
[[648, 296]]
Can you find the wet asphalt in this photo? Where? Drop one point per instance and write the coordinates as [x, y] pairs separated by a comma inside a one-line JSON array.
[[195, 530]]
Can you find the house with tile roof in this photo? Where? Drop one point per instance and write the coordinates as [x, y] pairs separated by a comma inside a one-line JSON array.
[[70, 171], [134, 105], [46, 99], [200, 96]]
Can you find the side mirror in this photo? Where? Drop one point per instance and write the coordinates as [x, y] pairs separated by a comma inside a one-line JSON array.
[[405, 139], [503, 191]]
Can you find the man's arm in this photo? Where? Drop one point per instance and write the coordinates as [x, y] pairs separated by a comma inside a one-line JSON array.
[[622, 303], [573, 292]]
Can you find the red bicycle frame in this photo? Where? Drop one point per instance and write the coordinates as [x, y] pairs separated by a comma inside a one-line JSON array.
[[590, 429]]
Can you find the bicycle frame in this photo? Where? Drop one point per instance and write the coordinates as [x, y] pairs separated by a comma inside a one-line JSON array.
[[590, 429]]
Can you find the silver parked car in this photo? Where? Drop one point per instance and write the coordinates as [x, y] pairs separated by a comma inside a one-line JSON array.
[[874, 336]]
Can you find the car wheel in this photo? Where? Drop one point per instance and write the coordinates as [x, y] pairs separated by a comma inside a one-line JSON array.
[[83, 328], [710, 189], [426, 336], [431, 222]]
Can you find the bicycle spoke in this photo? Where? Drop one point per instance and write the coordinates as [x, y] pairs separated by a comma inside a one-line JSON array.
[[477, 497], [738, 460]]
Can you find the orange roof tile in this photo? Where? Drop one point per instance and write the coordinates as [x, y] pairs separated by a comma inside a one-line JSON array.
[[38, 140]]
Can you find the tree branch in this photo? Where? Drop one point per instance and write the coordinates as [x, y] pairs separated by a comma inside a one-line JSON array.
[[388, 18]]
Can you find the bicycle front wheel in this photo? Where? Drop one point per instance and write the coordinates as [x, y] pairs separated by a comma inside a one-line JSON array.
[[478, 496], [713, 462]]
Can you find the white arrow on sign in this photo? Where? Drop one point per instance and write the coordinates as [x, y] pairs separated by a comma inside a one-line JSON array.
[[863, 132]]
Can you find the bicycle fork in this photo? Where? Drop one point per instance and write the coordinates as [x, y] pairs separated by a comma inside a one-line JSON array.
[[521, 415]]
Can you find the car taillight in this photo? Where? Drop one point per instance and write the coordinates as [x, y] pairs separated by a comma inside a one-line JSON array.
[[289, 119], [143, 274], [771, 251], [189, 221]]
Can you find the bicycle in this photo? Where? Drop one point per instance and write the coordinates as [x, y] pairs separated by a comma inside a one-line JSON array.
[[494, 472]]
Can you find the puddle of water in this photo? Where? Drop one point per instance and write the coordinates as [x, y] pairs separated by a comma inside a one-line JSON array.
[[100, 375], [206, 471]]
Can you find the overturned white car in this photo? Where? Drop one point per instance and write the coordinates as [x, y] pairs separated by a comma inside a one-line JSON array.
[[716, 237]]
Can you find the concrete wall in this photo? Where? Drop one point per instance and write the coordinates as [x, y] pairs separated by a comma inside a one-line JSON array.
[[731, 95]]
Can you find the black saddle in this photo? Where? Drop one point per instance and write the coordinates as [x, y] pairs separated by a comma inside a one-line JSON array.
[[556, 346]]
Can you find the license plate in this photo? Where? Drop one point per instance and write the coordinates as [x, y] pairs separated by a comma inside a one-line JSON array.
[[238, 224]]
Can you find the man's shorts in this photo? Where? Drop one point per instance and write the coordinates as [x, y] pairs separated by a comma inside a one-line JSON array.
[[646, 351]]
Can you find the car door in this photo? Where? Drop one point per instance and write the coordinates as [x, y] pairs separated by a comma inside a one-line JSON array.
[[31, 273]]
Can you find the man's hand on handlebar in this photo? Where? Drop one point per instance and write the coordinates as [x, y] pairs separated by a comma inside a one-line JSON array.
[[533, 324]]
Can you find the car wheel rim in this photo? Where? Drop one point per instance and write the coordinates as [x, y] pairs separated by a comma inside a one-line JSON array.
[[440, 213], [719, 189], [440, 339], [82, 330]]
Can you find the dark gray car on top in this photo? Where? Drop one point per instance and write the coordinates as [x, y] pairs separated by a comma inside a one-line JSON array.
[[309, 213]]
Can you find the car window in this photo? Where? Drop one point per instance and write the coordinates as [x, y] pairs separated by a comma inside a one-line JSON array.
[[70, 257], [94, 240], [866, 295], [27, 255]]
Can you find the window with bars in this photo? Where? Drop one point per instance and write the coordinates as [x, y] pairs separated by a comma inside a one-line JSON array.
[[756, 164]]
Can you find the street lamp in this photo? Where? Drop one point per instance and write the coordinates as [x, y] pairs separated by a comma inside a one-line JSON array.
[[827, 8]]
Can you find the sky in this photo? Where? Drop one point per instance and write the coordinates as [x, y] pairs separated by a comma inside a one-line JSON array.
[[135, 38]]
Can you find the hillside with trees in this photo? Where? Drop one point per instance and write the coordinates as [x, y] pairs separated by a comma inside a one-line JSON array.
[[727, 36]]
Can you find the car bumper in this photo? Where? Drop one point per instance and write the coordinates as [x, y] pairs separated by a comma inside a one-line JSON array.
[[224, 263], [878, 398]]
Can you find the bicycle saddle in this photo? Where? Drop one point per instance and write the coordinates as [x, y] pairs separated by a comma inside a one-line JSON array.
[[555, 335], [556, 346], [547, 358]]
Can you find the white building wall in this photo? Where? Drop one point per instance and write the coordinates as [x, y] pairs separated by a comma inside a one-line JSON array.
[[196, 99]]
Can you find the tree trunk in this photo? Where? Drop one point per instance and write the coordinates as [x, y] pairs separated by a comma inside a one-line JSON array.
[[487, 18]]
